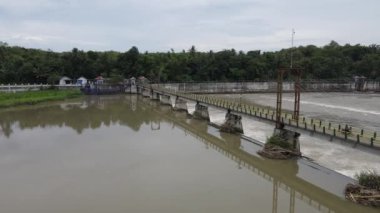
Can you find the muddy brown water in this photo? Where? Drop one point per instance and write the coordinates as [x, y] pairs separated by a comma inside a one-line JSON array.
[[130, 154]]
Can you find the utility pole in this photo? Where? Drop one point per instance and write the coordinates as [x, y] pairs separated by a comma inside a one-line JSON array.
[[291, 50]]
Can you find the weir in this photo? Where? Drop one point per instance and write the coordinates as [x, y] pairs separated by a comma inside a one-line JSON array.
[[258, 124], [271, 86], [325, 129]]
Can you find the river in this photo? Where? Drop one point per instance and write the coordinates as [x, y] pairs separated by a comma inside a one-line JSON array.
[[130, 154]]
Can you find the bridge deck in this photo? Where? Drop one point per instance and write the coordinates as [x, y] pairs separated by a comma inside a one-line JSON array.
[[334, 130]]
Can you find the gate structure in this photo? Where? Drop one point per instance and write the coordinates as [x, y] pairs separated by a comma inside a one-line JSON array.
[[296, 72]]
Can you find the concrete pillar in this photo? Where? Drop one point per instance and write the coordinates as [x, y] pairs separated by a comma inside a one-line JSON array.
[[232, 123], [180, 104], [290, 136], [135, 89], [154, 95], [201, 111], [157, 96], [146, 92], [165, 99]]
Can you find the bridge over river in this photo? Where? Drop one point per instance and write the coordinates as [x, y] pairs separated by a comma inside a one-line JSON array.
[[317, 126], [324, 142]]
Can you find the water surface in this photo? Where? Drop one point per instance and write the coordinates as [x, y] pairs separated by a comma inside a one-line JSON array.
[[129, 154]]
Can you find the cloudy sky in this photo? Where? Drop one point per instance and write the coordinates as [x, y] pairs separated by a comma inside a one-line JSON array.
[[159, 25]]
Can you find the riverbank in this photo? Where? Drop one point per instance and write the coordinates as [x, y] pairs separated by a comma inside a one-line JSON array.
[[34, 97]]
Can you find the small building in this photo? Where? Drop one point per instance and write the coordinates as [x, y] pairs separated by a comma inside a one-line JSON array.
[[360, 83], [65, 81], [99, 80], [81, 81], [132, 81]]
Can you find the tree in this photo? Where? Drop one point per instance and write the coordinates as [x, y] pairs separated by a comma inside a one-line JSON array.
[[332, 61]]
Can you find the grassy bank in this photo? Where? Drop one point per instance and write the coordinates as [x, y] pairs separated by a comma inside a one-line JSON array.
[[33, 97]]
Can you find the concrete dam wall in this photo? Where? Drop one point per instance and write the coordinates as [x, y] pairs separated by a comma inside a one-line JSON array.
[[270, 86]]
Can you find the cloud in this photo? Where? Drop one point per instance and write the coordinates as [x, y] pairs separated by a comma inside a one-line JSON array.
[[159, 25]]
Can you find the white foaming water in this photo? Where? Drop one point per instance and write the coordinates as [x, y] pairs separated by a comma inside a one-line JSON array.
[[341, 158], [338, 107], [361, 110], [190, 107], [217, 115], [172, 100], [257, 130]]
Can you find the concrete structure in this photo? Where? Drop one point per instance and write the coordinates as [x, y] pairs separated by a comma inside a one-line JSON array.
[[180, 104], [146, 92], [233, 110], [270, 86], [232, 123], [165, 99], [154, 95], [201, 111], [291, 137], [130, 85]]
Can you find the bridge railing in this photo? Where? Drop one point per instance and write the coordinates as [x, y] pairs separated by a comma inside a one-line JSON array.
[[334, 130]]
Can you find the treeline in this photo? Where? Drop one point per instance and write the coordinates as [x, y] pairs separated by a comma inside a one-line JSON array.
[[333, 61]]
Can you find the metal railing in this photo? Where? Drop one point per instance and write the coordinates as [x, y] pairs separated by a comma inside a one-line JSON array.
[[334, 130]]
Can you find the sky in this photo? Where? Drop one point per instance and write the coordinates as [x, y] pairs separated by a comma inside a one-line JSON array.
[[162, 25]]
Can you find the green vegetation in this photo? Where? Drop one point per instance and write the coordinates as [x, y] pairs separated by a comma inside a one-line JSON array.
[[33, 97], [369, 179], [332, 61], [276, 140]]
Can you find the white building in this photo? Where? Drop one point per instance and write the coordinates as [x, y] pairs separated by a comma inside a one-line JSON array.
[[81, 81], [65, 81]]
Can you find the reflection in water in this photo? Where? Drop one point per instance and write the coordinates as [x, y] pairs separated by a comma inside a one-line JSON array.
[[89, 113], [152, 168]]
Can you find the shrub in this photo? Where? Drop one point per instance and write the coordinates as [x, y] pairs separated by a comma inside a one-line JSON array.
[[369, 179], [276, 140]]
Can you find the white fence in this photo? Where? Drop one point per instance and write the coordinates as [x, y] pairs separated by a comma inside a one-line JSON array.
[[33, 87]]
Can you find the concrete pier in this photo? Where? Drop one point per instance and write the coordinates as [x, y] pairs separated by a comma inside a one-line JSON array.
[[146, 92], [201, 111], [180, 104], [165, 99], [289, 136], [232, 123], [154, 95]]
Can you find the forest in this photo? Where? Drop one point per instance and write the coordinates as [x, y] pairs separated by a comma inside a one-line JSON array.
[[332, 61]]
